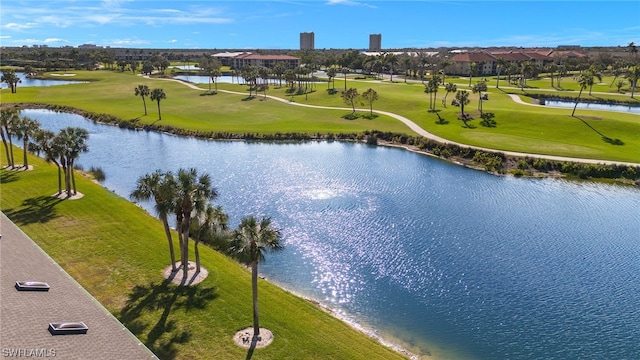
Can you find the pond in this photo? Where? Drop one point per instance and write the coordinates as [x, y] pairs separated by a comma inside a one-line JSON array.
[[41, 82], [200, 79], [445, 260], [594, 106]]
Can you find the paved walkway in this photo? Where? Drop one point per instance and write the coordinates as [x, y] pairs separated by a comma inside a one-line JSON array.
[[422, 132], [25, 315]]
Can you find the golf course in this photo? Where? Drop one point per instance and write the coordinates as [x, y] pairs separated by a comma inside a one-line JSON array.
[[116, 250]]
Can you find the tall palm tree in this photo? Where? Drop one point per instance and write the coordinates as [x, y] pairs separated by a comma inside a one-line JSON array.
[[473, 69], [583, 80], [392, 60], [212, 223], [72, 141], [500, 64], [432, 89], [406, 63], [444, 64], [331, 74], [142, 91], [25, 129], [252, 239], [592, 73], [633, 74], [450, 87], [370, 96], [463, 99], [44, 140], [192, 196], [157, 95], [10, 77], [162, 188], [9, 118], [479, 88], [345, 71]]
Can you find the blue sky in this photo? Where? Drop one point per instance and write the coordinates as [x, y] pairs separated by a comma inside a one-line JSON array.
[[276, 24]]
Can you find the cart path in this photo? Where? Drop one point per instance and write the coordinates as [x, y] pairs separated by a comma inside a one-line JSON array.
[[422, 132]]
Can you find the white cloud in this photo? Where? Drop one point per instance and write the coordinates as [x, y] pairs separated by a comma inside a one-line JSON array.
[[349, 3], [54, 40], [20, 27], [173, 41]]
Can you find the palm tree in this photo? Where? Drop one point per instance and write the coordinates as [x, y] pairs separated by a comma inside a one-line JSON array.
[[592, 73], [10, 77], [463, 99], [392, 60], [500, 64], [331, 74], [432, 89], [142, 91], [406, 63], [279, 70], [583, 80], [25, 129], [251, 240], [44, 140], [450, 87], [633, 74], [212, 223], [473, 69], [9, 118], [71, 141], [192, 196], [345, 71], [552, 68], [162, 187], [479, 88], [158, 95], [444, 64]]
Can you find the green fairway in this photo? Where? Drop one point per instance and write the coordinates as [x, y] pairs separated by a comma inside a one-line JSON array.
[[117, 252], [590, 134]]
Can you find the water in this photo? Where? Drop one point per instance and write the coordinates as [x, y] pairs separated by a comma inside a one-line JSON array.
[[200, 79], [186, 67], [447, 260], [39, 82], [593, 106]]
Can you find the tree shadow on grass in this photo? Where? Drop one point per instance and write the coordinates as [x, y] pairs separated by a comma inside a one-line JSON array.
[[141, 312], [8, 176], [604, 138], [39, 209], [441, 120]]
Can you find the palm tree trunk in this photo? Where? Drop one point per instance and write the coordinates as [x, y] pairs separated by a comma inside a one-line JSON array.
[[159, 115], [167, 232], [185, 251], [254, 288], [6, 148], [577, 100], [145, 105], [25, 147], [59, 179], [197, 253], [12, 161]]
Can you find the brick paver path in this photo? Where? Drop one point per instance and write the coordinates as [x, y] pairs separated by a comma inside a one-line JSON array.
[[25, 315]]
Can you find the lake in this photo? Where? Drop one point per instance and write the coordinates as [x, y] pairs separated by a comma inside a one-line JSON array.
[[594, 106], [40, 82], [443, 259]]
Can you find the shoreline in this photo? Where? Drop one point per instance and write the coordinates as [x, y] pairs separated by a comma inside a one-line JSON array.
[[509, 166]]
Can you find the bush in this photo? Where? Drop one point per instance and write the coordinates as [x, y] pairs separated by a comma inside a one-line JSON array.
[[97, 173]]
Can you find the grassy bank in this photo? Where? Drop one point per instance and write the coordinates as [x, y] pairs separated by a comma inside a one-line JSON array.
[[117, 252], [590, 134]]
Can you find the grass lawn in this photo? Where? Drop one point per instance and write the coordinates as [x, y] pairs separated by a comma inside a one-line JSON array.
[[590, 134], [117, 251]]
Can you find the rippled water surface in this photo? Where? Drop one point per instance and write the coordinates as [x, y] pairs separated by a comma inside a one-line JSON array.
[[450, 261]]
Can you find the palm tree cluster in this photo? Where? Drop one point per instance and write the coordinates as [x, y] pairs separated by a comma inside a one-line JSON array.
[[10, 78], [63, 149], [188, 197]]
